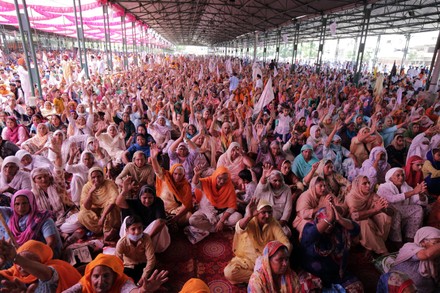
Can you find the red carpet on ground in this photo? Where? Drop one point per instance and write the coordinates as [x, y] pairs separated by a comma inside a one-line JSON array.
[[206, 260]]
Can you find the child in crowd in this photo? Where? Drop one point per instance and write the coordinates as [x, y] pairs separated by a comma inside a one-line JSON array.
[[136, 250], [247, 188]]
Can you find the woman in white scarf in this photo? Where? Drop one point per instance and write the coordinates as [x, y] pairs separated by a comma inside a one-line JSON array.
[[376, 166], [418, 259], [407, 203], [30, 162], [317, 140], [12, 178], [50, 193], [80, 172], [273, 189], [112, 141], [235, 160], [419, 147], [160, 131]]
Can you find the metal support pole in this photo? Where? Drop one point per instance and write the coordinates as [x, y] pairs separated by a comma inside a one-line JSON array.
[[23, 22], [265, 47], [321, 44], [133, 36], [295, 45], [362, 41], [376, 51], [4, 41], [277, 50], [80, 36], [107, 43], [434, 69], [405, 50], [124, 41], [255, 47]]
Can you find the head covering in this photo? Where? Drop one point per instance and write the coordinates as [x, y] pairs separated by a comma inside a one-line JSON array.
[[313, 130], [381, 168], [59, 131], [306, 147], [419, 146], [53, 199], [356, 199], [10, 159], [262, 278], [21, 61], [195, 285], [225, 197], [93, 169], [34, 222], [394, 282], [181, 190], [391, 172], [263, 203], [413, 177], [68, 275], [20, 154], [111, 261], [427, 268]]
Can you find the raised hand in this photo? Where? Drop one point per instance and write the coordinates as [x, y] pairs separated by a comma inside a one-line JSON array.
[[17, 286], [154, 282], [267, 169], [251, 208], [154, 151], [198, 169]]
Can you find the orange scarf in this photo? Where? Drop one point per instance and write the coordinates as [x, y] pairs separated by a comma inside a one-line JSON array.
[[111, 261], [68, 275], [181, 190], [223, 198]]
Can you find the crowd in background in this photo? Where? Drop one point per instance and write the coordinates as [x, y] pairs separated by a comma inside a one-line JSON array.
[[299, 162]]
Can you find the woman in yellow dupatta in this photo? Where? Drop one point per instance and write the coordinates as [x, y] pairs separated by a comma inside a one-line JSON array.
[[98, 210]]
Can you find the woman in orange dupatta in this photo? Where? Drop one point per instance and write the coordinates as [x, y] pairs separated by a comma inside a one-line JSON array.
[[96, 278], [33, 263], [218, 201], [174, 189]]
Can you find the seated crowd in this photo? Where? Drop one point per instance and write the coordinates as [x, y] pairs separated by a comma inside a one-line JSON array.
[[135, 156]]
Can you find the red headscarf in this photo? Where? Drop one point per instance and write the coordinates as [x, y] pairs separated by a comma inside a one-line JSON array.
[[413, 177]]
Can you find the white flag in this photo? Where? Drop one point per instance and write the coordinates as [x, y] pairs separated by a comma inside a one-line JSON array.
[[45, 60], [218, 73], [266, 97], [228, 66], [275, 71], [285, 38], [241, 68], [201, 72], [399, 96], [333, 28]]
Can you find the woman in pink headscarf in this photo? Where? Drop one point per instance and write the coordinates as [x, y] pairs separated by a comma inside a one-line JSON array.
[[418, 259], [14, 132]]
